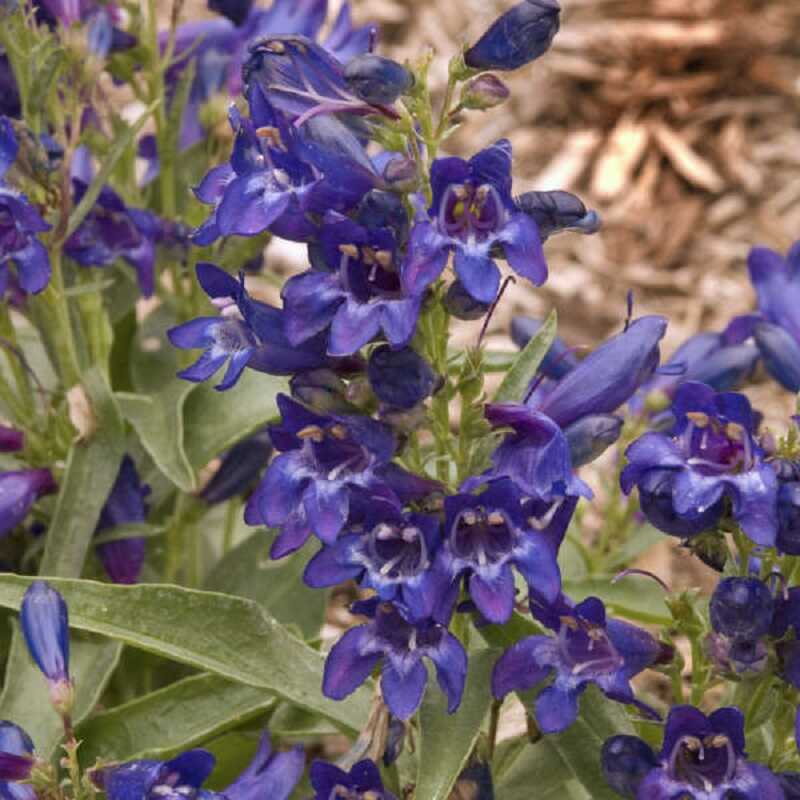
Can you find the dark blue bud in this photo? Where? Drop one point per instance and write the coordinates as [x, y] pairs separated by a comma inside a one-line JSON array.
[[589, 437], [626, 760], [240, 469], [558, 211], [236, 11], [475, 783], [655, 499], [725, 369], [517, 37], [462, 305], [483, 92], [401, 173], [781, 354], [380, 209], [559, 359], [11, 440], [400, 378], [746, 655], [45, 626], [741, 608], [788, 539], [395, 739], [377, 80]]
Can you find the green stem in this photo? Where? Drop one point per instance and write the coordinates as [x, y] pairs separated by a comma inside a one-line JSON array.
[[494, 723], [231, 516]]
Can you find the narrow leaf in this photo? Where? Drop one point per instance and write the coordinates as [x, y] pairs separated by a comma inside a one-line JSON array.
[[448, 739], [518, 378], [180, 716], [229, 636]]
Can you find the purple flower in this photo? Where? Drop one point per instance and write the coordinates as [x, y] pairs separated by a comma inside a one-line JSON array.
[[247, 333], [788, 539], [516, 38], [702, 758], [776, 328], [123, 559], [717, 359], [711, 454], [218, 47], [323, 460], [399, 646], [486, 535], [377, 80], [20, 224], [19, 490], [16, 762], [9, 91], [11, 440], [588, 649], [400, 378], [354, 288], [272, 775], [112, 230], [471, 215], [273, 181], [394, 556], [363, 782], [45, 625]]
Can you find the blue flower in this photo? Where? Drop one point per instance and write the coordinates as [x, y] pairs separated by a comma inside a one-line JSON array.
[[588, 649], [45, 626], [788, 539], [719, 360], [486, 535], [377, 80], [394, 555], [20, 224], [123, 559], [272, 775], [400, 378], [9, 91], [399, 646], [363, 782], [626, 761], [219, 47], [471, 215], [16, 761], [273, 181], [323, 461], [19, 490], [776, 328], [516, 38], [702, 758], [112, 230], [572, 422], [247, 333], [354, 288], [710, 455]]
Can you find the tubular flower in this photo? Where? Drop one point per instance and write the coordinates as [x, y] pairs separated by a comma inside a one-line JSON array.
[[702, 758], [323, 461], [485, 536], [472, 215], [19, 490], [710, 455], [16, 761], [588, 649], [363, 782], [399, 646], [247, 333], [355, 292]]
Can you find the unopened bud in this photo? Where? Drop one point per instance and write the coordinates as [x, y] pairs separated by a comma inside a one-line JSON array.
[[483, 92]]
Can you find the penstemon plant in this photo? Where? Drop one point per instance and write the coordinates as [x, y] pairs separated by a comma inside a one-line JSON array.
[[194, 479]]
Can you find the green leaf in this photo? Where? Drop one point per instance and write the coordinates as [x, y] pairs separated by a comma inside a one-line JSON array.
[[634, 597], [125, 140], [91, 470], [177, 717], [229, 636], [566, 766], [247, 571], [447, 740], [213, 421], [518, 378], [46, 77], [129, 530], [158, 421], [25, 698]]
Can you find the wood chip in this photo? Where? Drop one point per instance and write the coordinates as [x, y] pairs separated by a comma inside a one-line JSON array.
[[622, 154], [687, 162]]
